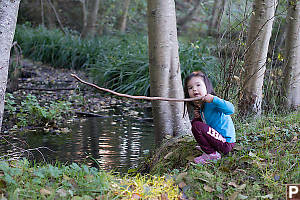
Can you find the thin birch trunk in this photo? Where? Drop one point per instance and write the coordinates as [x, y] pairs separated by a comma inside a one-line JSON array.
[[84, 12], [42, 12], [123, 18], [8, 19], [165, 76], [217, 14], [90, 29], [292, 69], [259, 34]]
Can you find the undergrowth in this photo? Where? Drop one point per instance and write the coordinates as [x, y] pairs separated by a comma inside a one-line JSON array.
[[117, 62], [265, 158]]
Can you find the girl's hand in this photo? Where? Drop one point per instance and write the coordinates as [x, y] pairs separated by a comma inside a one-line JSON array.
[[197, 104], [208, 98], [197, 114]]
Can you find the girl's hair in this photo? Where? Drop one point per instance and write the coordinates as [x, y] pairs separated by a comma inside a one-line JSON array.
[[207, 82]]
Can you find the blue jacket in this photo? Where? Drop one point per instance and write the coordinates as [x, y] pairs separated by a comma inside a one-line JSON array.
[[217, 115]]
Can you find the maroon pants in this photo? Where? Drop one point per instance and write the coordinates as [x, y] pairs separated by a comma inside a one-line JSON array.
[[209, 139]]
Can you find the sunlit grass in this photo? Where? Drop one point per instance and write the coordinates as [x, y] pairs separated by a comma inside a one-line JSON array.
[[22, 180]]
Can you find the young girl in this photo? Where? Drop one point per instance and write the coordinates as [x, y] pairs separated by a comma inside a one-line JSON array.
[[212, 125]]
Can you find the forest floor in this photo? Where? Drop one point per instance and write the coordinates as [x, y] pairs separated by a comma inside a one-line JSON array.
[[265, 159], [39, 85]]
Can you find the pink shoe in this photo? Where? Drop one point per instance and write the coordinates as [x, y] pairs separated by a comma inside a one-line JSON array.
[[201, 159], [205, 158]]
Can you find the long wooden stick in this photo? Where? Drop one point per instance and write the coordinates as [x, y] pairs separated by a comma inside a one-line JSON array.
[[134, 97]]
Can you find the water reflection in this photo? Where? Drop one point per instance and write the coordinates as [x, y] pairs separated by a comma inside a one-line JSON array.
[[116, 142]]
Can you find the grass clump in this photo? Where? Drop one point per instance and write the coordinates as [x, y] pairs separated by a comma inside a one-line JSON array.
[[22, 180], [264, 159]]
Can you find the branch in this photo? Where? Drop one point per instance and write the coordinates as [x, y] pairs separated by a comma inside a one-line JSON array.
[[57, 17], [134, 97]]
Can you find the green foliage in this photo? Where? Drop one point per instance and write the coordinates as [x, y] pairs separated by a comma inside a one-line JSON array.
[[10, 104], [22, 180], [117, 62], [32, 113], [264, 159]]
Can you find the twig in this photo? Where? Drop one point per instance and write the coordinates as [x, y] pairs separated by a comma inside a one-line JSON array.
[[134, 97]]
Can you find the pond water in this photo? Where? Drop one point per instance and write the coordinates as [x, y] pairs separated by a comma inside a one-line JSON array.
[[117, 141]]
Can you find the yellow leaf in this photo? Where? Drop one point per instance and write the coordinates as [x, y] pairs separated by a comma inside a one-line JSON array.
[[280, 57]]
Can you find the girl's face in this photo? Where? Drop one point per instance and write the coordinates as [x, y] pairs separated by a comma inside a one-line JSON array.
[[196, 87]]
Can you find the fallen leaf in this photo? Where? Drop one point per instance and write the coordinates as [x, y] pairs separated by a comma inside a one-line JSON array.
[[44, 191], [242, 197], [66, 177], [61, 192], [203, 180], [181, 184], [207, 174], [234, 196], [136, 196], [269, 196], [190, 158], [233, 184], [168, 155], [241, 187], [208, 189]]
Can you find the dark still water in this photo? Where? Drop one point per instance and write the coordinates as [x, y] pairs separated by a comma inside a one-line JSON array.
[[116, 141]]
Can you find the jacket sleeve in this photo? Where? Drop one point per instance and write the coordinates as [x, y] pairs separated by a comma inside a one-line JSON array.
[[224, 106]]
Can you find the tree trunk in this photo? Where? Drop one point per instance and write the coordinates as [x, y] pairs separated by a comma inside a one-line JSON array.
[[8, 19], [84, 13], [165, 76], [259, 34], [292, 69], [90, 29], [182, 22], [123, 17], [217, 14], [50, 17]]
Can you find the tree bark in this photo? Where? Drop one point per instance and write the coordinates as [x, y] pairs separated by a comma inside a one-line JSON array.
[[123, 18], [56, 16], [217, 14], [90, 29], [292, 68], [181, 22], [8, 19], [165, 76], [259, 34]]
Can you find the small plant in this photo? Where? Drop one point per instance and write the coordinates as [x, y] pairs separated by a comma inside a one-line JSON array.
[[32, 113], [10, 104]]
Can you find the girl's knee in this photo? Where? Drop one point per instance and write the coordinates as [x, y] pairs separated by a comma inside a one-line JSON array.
[[197, 127]]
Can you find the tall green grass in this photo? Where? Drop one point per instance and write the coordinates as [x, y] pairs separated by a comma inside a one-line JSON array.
[[118, 62]]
